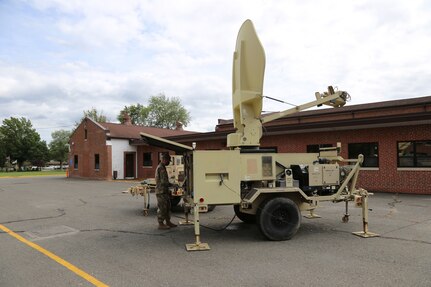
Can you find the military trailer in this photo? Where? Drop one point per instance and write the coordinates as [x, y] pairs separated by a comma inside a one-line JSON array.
[[175, 171], [265, 187]]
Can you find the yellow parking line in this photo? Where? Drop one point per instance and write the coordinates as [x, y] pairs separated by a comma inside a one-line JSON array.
[[54, 257]]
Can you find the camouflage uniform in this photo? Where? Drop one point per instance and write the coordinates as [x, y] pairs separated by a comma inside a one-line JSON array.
[[163, 194]]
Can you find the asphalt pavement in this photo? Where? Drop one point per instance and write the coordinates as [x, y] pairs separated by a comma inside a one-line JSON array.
[[71, 232]]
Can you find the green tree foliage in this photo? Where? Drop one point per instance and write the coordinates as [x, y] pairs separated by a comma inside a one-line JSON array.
[[162, 112], [41, 154], [165, 112], [96, 115], [3, 154], [59, 146], [138, 114], [20, 141]]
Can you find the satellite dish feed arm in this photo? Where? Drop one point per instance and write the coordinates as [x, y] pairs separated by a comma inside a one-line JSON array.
[[337, 99]]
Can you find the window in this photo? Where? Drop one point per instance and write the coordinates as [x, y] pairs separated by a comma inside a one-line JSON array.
[[370, 151], [75, 162], [414, 154], [148, 159], [85, 129], [315, 148], [96, 161]]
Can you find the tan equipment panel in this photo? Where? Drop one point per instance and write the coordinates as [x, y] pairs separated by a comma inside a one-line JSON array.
[[216, 178]]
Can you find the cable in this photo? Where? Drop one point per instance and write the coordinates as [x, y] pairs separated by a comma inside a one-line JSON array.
[[224, 228], [207, 227], [233, 218], [277, 100]]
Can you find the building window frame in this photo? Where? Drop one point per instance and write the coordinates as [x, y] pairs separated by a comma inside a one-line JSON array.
[[96, 161], [370, 151], [417, 158], [147, 159], [75, 161]]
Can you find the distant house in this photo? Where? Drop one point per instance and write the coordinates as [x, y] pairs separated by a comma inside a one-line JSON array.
[[104, 150]]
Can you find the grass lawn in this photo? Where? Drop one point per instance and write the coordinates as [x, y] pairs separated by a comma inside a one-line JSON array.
[[32, 173]]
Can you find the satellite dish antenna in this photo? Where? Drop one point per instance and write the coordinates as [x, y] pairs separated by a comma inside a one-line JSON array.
[[247, 88]]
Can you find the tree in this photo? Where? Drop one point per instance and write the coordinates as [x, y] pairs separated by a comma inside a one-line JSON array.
[[166, 112], [162, 112], [20, 141], [3, 154], [59, 146], [96, 115], [40, 155], [138, 114]]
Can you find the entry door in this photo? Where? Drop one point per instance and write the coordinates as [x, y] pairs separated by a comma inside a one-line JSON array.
[[130, 165]]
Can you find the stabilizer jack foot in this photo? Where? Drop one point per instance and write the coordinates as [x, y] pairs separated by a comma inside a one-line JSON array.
[[364, 234], [312, 215], [197, 246], [186, 220]]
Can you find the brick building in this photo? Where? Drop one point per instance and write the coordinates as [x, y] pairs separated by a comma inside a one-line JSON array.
[[103, 150], [394, 136]]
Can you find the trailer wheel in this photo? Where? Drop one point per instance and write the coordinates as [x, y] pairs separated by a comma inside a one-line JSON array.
[[211, 207], [278, 218], [244, 217]]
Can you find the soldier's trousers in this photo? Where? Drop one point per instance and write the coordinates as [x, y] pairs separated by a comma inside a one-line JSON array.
[[164, 207]]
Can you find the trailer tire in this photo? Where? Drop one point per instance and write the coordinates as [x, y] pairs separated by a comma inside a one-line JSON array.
[[278, 218], [244, 217]]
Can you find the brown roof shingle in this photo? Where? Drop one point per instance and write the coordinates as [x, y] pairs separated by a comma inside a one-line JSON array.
[[133, 132]]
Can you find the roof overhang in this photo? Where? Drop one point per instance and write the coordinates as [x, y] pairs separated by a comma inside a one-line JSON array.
[[162, 143]]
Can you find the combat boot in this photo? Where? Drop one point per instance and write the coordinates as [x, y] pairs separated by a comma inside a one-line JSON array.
[[170, 224], [163, 226]]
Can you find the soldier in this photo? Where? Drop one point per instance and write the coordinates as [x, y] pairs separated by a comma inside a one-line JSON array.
[[163, 194]]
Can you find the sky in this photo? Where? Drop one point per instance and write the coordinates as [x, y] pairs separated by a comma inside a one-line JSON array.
[[59, 58]]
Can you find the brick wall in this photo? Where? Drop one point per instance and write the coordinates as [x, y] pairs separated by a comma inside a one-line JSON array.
[[86, 149], [387, 178], [145, 171]]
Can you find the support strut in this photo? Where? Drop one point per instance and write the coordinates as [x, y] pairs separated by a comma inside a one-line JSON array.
[[198, 245], [365, 233]]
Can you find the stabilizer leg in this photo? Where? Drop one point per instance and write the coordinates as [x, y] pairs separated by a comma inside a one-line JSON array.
[[187, 208], [365, 233], [312, 215], [198, 245], [186, 221]]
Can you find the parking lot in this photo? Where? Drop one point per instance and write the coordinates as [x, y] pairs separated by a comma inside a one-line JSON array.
[[93, 228]]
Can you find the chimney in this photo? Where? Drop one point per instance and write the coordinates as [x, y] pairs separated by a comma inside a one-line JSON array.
[[127, 120], [178, 126]]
